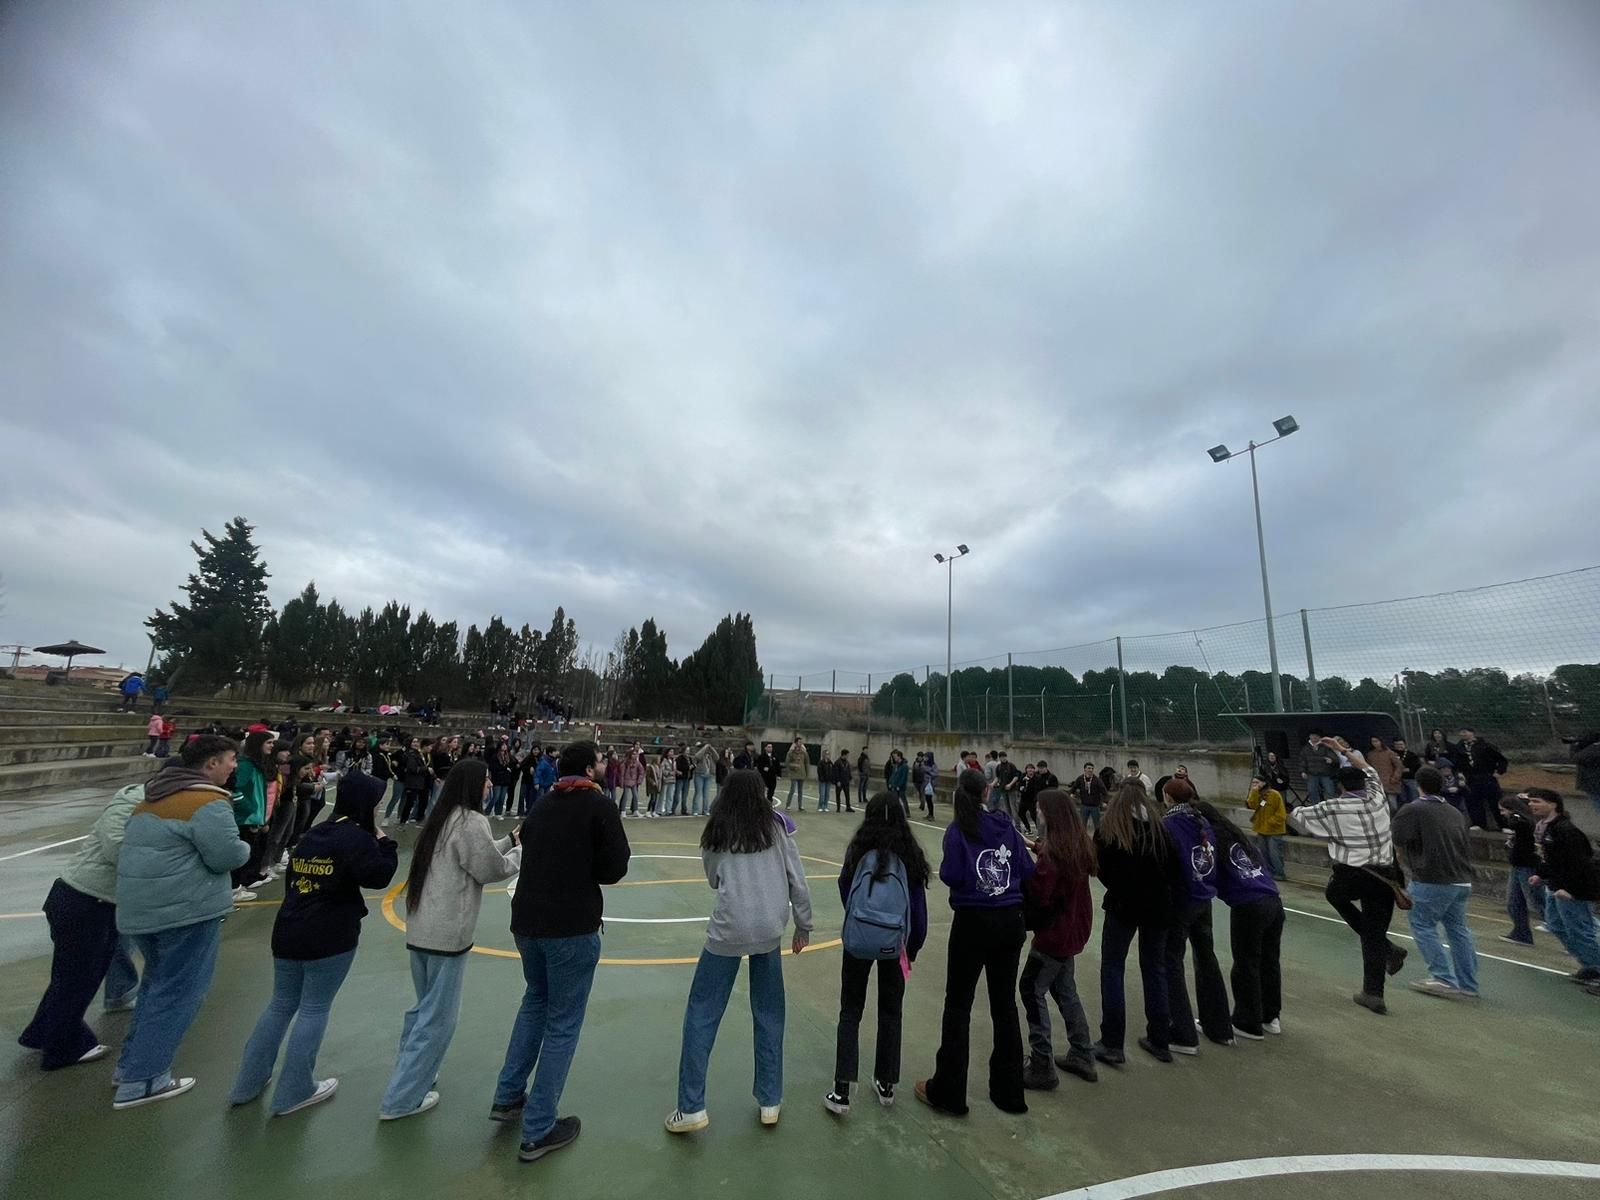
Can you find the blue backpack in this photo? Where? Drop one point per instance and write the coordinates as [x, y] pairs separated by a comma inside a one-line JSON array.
[[877, 913]]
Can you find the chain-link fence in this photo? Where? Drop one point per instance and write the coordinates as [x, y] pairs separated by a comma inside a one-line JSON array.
[[1519, 661]]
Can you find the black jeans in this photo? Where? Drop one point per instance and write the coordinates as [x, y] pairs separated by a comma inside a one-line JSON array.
[[988, 942], [1366, 904], [284, 816], [1256, 932], [84, 933], [861, 790], [1116, 936], [853, 976], [1193, 927], [416, 800], [256, 839]]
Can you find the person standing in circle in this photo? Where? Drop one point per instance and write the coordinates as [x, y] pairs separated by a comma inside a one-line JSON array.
[[456, 857], [986, 862], [751, 860]]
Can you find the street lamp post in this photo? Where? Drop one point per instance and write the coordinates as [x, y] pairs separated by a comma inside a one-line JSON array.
[[949, 560], [1041, 714], [1220, 453], [1144, 716]]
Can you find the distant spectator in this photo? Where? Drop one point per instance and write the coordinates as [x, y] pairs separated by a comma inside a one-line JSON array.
[[152, 731], [130, 687], [1480, 762], [1410, 762], [1586, 757], [1437, 747], [1523, 897], [1387, 764], [796, 765], [1268, 819], [1319, 763], [1432, 838], [1090, 793]]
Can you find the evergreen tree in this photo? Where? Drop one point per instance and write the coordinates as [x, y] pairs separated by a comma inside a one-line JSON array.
[[720, 681], [216, 637]]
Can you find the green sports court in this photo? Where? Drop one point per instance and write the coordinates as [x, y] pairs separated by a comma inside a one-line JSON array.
[[1443, 1099]]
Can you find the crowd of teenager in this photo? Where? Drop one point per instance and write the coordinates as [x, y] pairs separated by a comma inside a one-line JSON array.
[[168, 860]]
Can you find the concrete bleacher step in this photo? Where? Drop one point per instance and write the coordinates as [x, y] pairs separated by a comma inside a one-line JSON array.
[[33, 735], [49, 752], [56, 716], [18, 779]]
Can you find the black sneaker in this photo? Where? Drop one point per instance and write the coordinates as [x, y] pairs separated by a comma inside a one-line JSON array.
[[837, 1101], [1159, 1053], [1040, 1077], [1397, 959], [1371, 1003], [885, 1093], [507, 1112], [563, 1133], [1079, 1065], [1105, 1054], [1586, 975]]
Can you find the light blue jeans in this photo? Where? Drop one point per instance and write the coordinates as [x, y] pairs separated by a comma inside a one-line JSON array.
[[397, 793], [1320, 788], [627, 797], [559, 973], [797, 787], [122, 977], [302, 992], [178, 965], [429, 1025], [1445, 904], [680, 797], [1573, 922], [823, 788], [497, 800], [702, 796], [708, 1000]]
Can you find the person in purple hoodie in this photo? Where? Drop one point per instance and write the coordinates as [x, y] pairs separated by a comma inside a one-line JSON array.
[[986, 862], [1255, 928], [1197, 855]]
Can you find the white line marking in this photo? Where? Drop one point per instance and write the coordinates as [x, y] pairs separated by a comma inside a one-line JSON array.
[[38, 849], [656, 920], [1316, 1164], [1515, 962], [680, 857]]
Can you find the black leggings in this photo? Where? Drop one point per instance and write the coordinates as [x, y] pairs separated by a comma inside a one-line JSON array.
[[987, 942], [854, 975]]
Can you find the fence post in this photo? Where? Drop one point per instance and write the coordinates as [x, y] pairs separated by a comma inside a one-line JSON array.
[[1311, 666], [869, 706], [927, 687], [1122, 677], [834, 690], [1041, 715], [772, 682], [1011, 703]]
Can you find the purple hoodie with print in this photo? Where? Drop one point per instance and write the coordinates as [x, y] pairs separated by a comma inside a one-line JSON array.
[[1197, 852], [990, 872]]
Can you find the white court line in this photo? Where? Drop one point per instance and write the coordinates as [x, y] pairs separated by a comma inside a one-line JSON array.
[[37, 849], [680, 857], [656, 920], [1317, 1164], [1515, 962]]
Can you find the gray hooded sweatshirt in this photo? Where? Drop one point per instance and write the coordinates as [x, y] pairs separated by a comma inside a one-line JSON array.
[[754, 895]]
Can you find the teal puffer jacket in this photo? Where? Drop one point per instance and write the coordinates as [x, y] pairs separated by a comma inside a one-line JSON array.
[[179, 848]]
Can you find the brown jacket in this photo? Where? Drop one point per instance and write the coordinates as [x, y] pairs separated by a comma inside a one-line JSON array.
[[1389, 768]]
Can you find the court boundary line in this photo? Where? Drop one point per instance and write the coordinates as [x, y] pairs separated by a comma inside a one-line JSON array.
[[1155, 1182], [41, 849]]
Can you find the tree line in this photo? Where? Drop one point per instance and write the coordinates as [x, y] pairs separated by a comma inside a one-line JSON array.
[[1183, 705], [224, 632]]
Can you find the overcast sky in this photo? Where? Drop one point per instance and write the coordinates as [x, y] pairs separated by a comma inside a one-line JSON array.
[[678, 309]]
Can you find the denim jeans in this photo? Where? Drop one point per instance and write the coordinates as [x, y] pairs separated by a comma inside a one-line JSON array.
[[496, 804], [823, 788], [702, 795], [1409, 791], [1045, 979], [708, 1000], [178, 965], [1522, 900], [429, 1025], [1091, 816], [1573, 922], [122, 977], [1272, 851], [680, 796], [797, 788], [558, 973], [83, 931], [397, 791], [1436, 904], [1116, 936], [862, 783], [627, 798], [302, 992], [1320, 788]]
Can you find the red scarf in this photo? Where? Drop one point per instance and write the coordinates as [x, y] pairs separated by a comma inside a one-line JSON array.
[[575, 783]]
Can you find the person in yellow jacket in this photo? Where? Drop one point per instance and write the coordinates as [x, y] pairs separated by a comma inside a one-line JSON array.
[[1269, 822]]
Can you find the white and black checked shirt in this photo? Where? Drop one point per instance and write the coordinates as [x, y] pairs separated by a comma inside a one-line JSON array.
[[1357, 827]]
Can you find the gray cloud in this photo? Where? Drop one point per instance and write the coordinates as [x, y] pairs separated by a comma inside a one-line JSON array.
[[669, 310]]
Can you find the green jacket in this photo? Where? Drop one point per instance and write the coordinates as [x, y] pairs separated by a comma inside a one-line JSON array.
[[250, 797], [93, 869]]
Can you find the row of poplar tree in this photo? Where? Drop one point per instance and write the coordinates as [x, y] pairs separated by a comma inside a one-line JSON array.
[[225, 633]]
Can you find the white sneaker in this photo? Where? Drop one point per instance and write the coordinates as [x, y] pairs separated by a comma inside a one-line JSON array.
[[428, 1101], [1273, 1026], [240, 895], [769, 1114], [262, 882], [1435, 987], [175, 1088], [682, 1122], [93, 1053], [324, 1089]]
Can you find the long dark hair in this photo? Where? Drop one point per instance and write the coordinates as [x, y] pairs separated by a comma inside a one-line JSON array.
[[969, 802], [463, 788], [741, 820], [1129, 823], [255, 749], [885, 829], [1227, 834], [1066, 842]]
